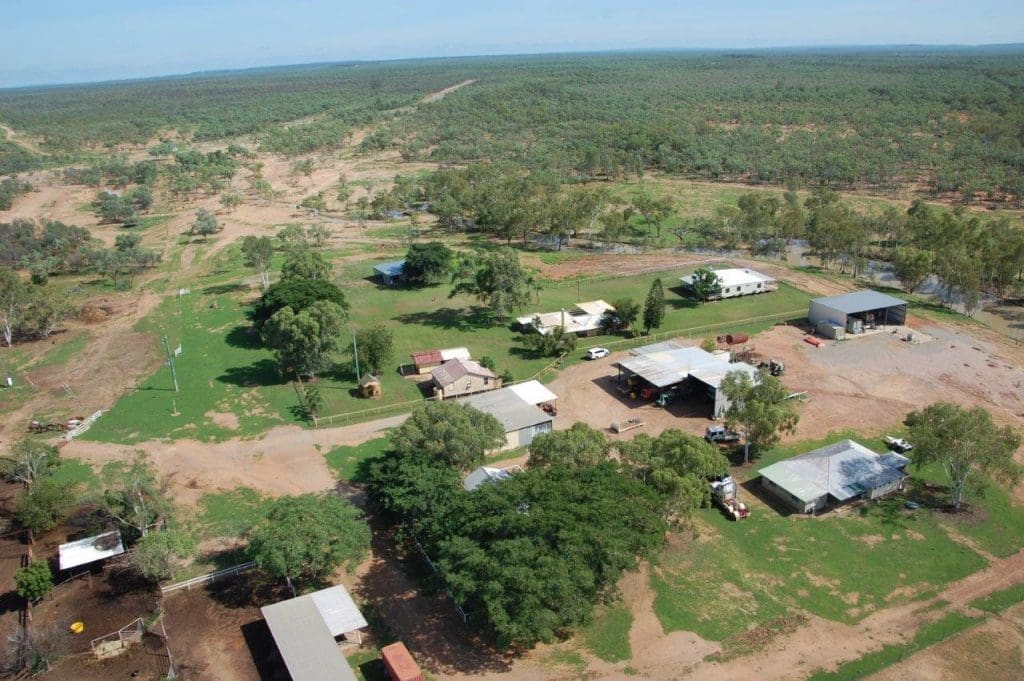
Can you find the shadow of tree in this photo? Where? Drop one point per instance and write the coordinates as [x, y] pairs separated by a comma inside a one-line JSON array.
[[244, 336], [220, 289], [262, 373], [682, 300], [458, 319]]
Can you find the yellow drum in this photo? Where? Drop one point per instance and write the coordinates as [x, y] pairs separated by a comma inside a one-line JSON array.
[[77, 627]]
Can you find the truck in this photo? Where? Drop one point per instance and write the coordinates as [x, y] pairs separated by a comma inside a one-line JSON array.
[[721, 435], [725, 493]]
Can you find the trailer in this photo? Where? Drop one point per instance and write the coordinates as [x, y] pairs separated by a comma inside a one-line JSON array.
[[725, 493], [630, 424], [399, 663]]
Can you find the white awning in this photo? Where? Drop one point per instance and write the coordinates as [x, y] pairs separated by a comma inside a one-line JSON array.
[[90, 549], [533, 392], [338, 611]]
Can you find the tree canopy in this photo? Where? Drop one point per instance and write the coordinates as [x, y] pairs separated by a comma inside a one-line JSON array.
[[758, 407], [428, 263], [305, 343], [307, 537], [456, 434], [966, 444], [579, 446], [654, 307], [496, 278]]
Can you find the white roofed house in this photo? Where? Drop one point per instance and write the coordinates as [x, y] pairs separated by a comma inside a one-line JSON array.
[[736, 281], [582, 319]]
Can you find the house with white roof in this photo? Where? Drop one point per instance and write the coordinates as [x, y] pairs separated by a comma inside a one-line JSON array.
[[734, 282], [582, 319]]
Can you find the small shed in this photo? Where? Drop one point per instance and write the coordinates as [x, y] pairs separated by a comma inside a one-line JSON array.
[[857, 311], [89, 550], [390, 273], [425, 360], [399, 663], [484, 475], [369, 386]]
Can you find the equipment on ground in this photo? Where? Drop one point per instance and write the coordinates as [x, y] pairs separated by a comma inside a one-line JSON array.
[[725, 493], [774, 367], [630, 424], [898, 444], [721, 435], [664, 399]]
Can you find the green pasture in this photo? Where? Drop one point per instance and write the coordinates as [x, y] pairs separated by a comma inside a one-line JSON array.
[[230, 386]]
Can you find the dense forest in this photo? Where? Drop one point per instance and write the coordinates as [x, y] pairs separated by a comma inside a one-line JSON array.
[[946, 122]]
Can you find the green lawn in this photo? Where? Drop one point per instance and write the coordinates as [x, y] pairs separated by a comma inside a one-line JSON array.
[[231, 513], [74, 470], [230, 386], [840, 567], [608, 635], [351, 463]]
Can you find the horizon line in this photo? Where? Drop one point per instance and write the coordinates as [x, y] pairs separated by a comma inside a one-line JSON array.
[[952, 47]]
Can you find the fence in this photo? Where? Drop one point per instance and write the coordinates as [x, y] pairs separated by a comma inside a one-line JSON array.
[[126, 635], [83, 426], [209, 577]]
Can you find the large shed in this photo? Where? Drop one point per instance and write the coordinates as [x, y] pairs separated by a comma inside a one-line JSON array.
[[837, 473], [671, 366], [521, 419], [857, 311]]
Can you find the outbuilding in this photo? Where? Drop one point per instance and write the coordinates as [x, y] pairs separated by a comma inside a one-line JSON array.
[[838, 473], [369, 386], [521, 419], [734, 282], [390, 273], [305, 630], [670, 366], [461, 377], [426, 360], [856, 312]]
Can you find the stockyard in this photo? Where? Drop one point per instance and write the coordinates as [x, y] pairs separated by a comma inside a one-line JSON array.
[[901, 588]]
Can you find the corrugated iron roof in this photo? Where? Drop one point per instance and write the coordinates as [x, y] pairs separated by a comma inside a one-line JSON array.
[[509, 408], [449, 372], [306, 645], [842, 470], [860, 301], [390, 269], [669, 363], [89, 550], [734, 276], [533, 392]]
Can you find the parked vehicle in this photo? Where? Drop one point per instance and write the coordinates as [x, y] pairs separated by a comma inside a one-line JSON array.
[[721, 434], [898, 444], [597, 353], [725, 493]]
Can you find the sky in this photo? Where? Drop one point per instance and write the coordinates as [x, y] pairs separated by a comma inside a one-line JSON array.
[[61, 41]]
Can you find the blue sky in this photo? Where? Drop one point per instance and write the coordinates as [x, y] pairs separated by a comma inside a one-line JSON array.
[[50, 41]]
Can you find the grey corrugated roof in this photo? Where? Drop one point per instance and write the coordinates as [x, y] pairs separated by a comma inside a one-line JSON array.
[[860, 301], [390, 269], [511, 411], [306, 646], [666, 364], [843, 470]]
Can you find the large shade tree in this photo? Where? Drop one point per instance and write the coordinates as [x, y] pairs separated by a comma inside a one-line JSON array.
[[758, 407], [305, 343], [307, 537], [496, 278], [966, 444], [454, 433]]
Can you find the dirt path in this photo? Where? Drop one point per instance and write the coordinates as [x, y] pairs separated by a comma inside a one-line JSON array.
[[441, 94], [287, 460], [12, 136]]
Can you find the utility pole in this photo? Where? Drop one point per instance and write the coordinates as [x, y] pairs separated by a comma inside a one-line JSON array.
[[355, 351], [170, 363]]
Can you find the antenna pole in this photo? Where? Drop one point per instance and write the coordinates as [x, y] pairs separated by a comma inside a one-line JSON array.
[[170, 363], [355, 351]]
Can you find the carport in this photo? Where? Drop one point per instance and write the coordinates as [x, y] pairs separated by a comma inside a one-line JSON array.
[[857, 311]]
